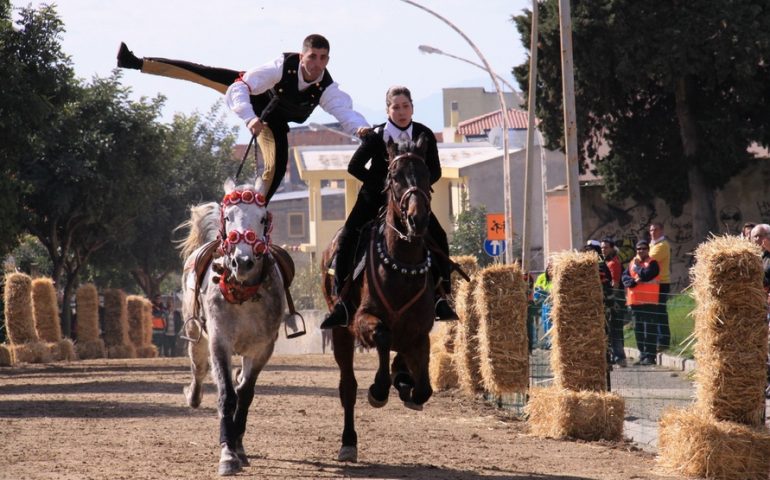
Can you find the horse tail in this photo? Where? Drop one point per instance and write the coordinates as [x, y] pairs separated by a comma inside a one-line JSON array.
[[203, 227]]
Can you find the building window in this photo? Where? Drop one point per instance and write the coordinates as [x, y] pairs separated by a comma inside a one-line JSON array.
[[296, 225]]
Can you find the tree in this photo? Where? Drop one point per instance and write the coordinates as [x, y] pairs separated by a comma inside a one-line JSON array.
[[92, 175], [37, 77], [677, 90], [471, 231]]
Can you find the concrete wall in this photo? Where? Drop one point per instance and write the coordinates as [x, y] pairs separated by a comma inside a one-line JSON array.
[[473, 102], [745, 198]]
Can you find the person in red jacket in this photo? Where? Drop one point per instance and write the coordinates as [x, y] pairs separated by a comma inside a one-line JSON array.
[[641, 280], [614, 302]]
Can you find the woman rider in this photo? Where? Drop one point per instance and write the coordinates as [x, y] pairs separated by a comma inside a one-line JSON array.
[[399, 126]]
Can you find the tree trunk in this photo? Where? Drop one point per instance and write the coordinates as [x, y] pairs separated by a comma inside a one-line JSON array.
[[703, 199]]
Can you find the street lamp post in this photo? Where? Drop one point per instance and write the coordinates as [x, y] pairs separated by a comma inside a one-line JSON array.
[[504, 111], [428, 49]]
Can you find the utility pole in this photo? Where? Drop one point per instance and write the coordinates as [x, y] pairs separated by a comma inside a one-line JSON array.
[[570, 125], [529, 164]]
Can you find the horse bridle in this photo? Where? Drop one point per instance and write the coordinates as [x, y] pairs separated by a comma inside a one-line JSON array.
[[402, 203]]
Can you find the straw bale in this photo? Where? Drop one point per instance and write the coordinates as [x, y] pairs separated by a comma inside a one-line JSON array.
[[87, 308], [115, 319], [147, 351], [443, 374], [31, 352], [578, 351], [469, 264], [91, 349], [63, 350], [696, 445], [560, 413], [121, 351], [466, 344], [135, 309], [501, 301], [731, 329], [45, 309], [19, 322], [6, 360], [442, 337], [147, 321]]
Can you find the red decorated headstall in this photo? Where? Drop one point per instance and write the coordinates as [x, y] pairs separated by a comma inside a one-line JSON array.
[[244, 196], [232, 238]]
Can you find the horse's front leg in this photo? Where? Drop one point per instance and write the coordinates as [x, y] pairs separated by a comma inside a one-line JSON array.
[[417, 361], [199, 364], [245, 391], [379, 390], [344, 348], [229, 463]]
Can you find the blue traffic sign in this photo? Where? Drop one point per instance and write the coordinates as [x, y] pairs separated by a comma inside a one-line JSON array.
[[494, 247]]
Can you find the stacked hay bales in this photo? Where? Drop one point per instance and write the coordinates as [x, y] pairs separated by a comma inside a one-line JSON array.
[[19, 322], [466, 341], [137, 327], [89, 345], [577, 405], [45, 309], [116, 325], [722, 435], [501, 302]]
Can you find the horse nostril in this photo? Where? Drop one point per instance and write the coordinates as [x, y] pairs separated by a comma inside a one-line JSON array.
[[249, 264]]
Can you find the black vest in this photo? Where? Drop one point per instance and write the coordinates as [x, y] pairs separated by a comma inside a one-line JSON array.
[[293, 105]]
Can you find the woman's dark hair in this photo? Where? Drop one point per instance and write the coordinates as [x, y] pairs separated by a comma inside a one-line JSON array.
[[395, 91]]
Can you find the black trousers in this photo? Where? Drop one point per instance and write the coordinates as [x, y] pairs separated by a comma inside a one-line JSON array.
[[664, 330], [646, 329]]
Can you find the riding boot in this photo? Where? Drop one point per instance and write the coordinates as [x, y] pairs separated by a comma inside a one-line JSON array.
[[444, 310], [342, 311], [127, 59]]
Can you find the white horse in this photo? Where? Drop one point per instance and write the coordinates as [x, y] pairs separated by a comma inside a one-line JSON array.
[[238, 309]]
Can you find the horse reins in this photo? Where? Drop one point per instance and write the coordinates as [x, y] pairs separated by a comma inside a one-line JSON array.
[[402, 203]]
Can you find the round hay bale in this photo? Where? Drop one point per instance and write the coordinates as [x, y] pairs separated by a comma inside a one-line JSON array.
[[87, 308], [443, 374], [63, 350], [501, 302], [115, 319], [91, 349], [560, 413], [135, 309], [45, 309], [121, 351], [19, 322], [466, 344], [731, 329], [147, 351], [579, 343], [6, 359], [31, 352], [695, 445]]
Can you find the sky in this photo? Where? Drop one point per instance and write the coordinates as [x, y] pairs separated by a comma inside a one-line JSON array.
[[374, 44]]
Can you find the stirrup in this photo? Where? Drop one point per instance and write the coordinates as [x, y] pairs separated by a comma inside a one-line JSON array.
[[444, 311]]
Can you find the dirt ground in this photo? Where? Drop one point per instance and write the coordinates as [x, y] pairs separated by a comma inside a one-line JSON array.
[[126, 419]]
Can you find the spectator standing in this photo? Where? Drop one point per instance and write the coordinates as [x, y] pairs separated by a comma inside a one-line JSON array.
[[746, 230], [641, 280], [541, 296], [660, 250], [614, 303], [760, 235], [169, 334], [159, 322]]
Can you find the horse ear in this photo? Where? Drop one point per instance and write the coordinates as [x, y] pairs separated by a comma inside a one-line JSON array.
[[259, 185], [422, 144], [229, 185], [392, 148]]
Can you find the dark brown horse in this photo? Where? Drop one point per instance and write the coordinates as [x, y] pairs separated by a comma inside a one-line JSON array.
[[394, 296]]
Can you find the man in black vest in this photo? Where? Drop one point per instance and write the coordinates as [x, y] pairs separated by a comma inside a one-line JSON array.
[[268, 97]]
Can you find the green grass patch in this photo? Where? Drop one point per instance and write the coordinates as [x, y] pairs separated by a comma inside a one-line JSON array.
[[680, 322]]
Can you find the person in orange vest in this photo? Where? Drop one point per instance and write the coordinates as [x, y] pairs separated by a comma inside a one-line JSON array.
[[642, 282]]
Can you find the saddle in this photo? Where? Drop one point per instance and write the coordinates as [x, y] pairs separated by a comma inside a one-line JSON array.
[[282, 258]]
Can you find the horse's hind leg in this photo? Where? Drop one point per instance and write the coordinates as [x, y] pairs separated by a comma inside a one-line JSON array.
[[343, 354], [199, 365], [229, 462], [378, 391], [245, 390]]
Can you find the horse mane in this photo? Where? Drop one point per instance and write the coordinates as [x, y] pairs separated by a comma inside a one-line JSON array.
[[203, 225]]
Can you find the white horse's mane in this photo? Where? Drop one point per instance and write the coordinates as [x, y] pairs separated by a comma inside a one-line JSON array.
[[204, 224]]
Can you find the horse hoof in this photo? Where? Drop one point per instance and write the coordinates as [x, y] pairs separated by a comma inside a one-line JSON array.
[[413, 406], [374, 402], [193, 400], [348, 454], [229, 467]]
